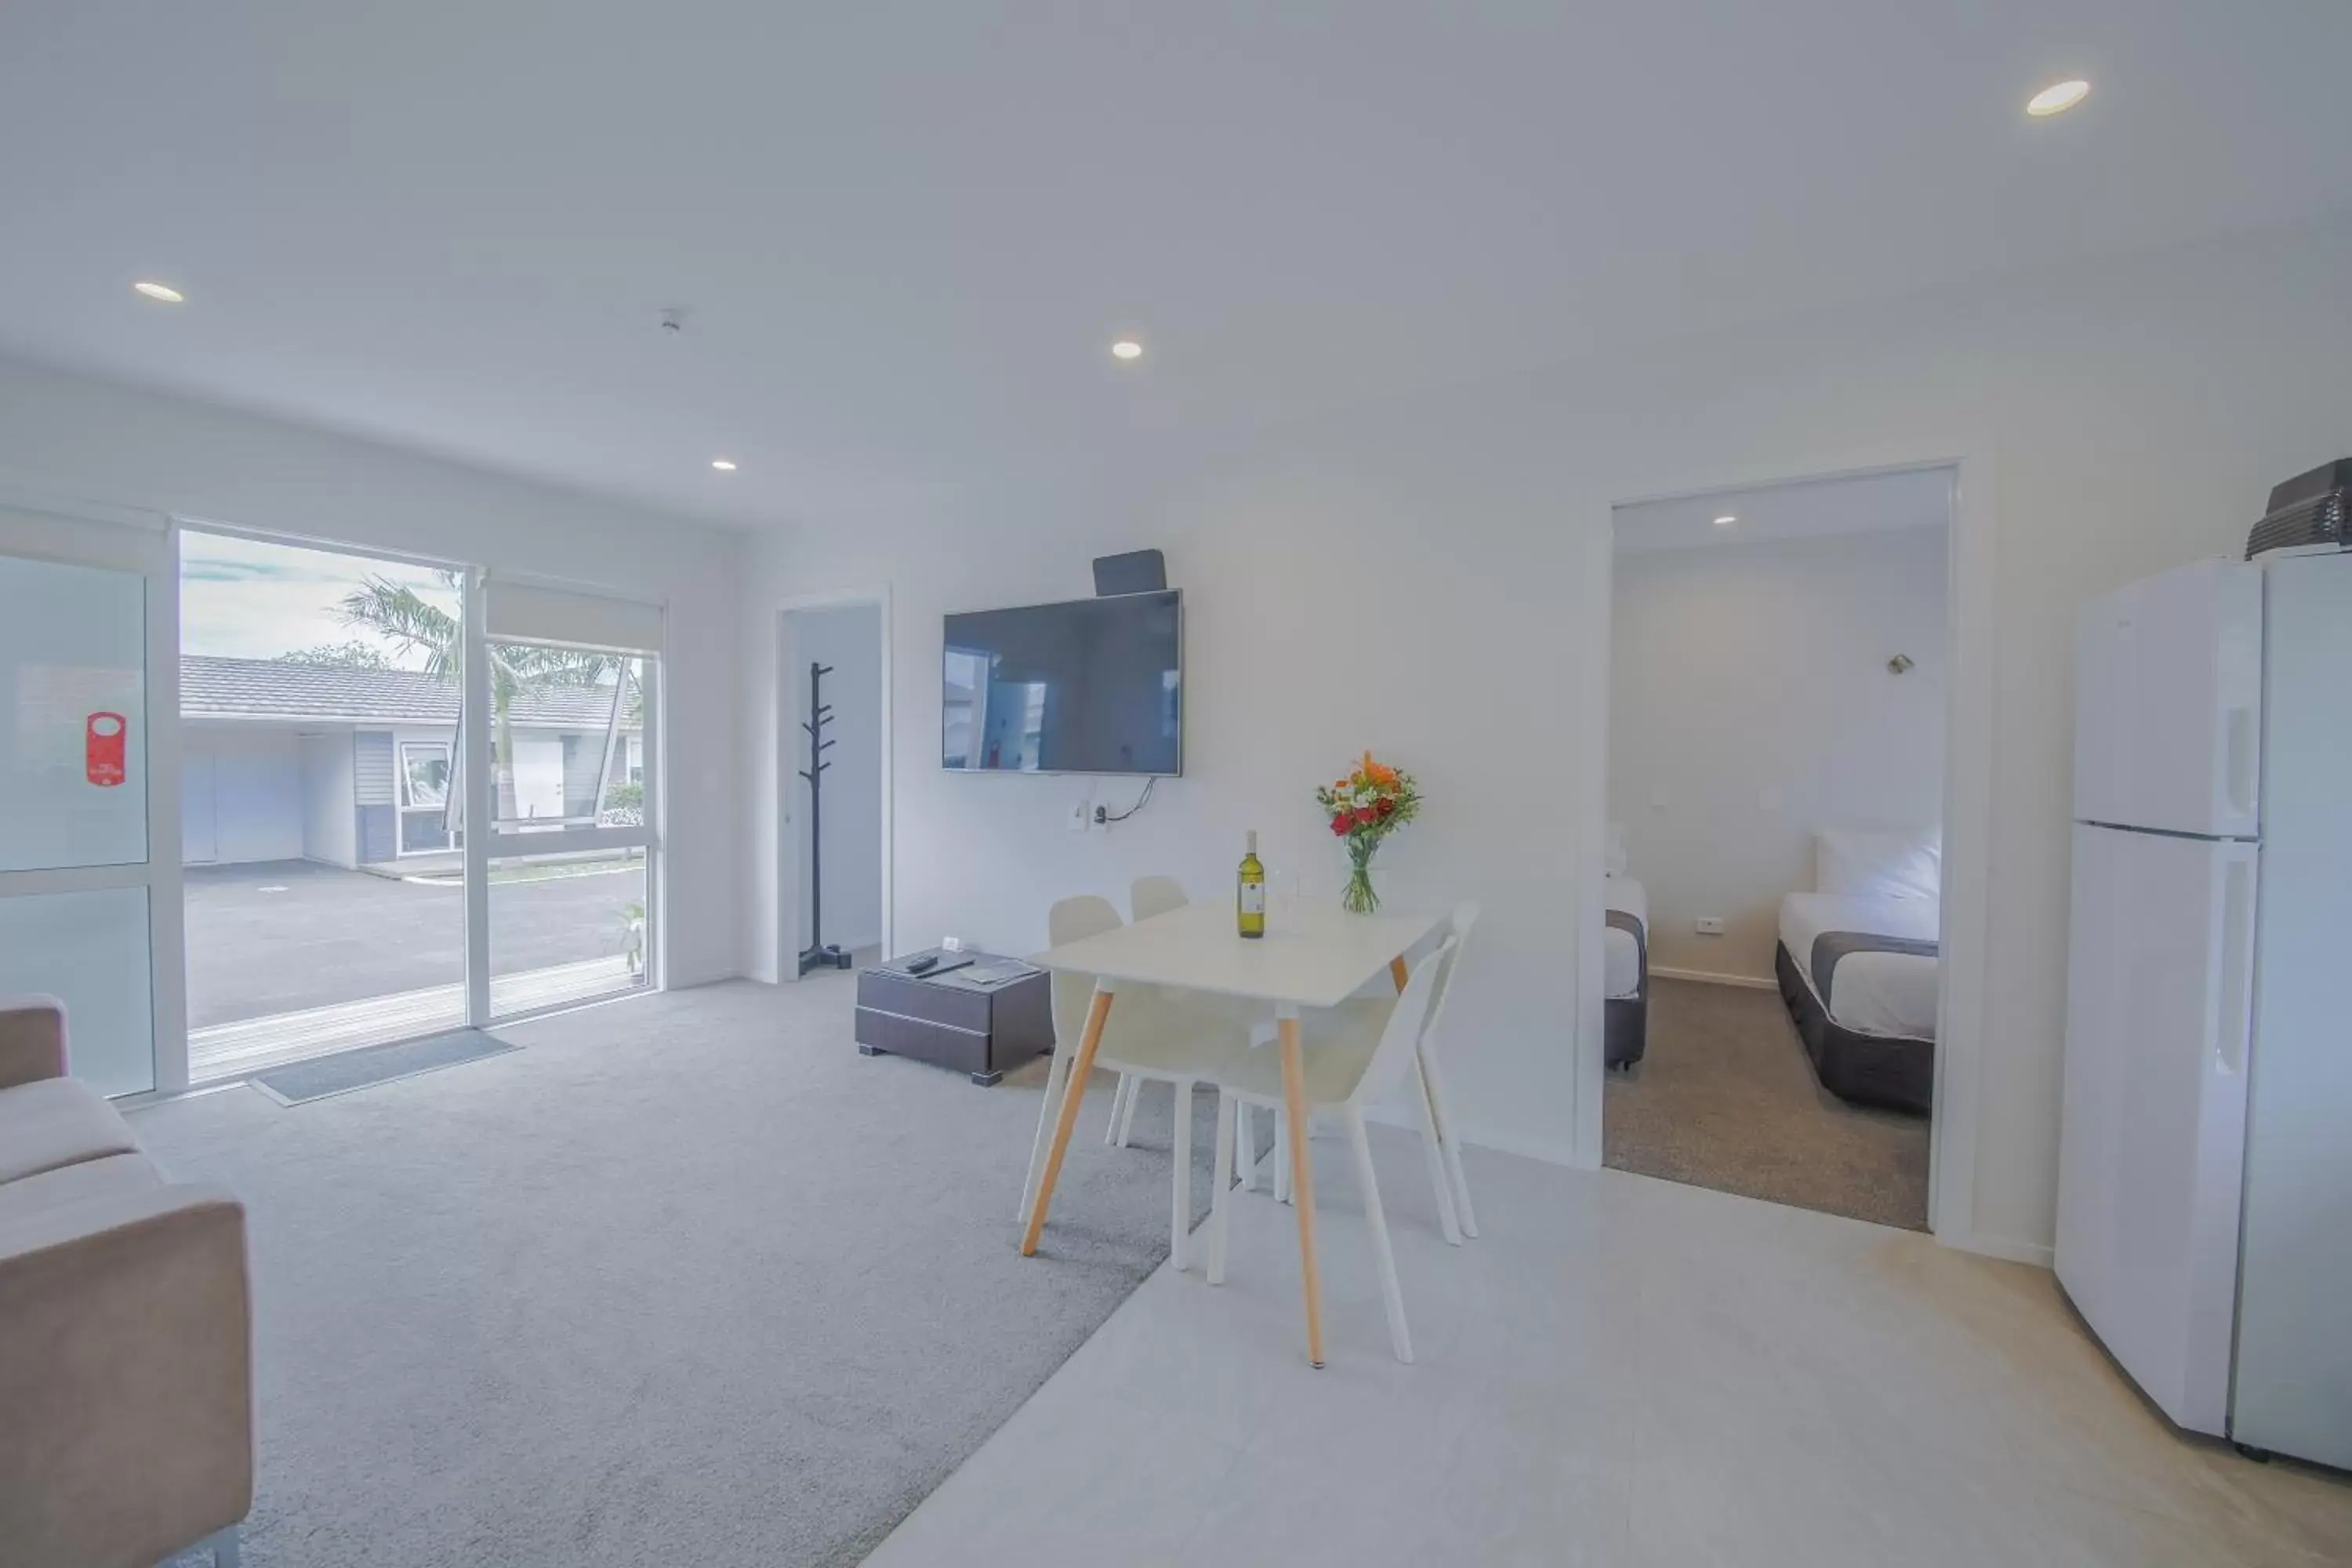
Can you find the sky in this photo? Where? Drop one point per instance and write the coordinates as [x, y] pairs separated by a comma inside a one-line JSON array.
[[243, 599]]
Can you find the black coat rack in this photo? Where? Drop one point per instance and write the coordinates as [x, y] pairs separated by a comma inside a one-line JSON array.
[[818, 955]]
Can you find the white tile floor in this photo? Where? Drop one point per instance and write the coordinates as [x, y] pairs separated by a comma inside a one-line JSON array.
[[1622, 1371]]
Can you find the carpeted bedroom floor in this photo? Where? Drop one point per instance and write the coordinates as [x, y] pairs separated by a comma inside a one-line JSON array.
[[683, 1280], [1725, 1098]]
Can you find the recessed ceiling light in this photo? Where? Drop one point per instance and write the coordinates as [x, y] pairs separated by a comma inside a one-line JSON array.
[[2057, 98], [1725, 521], [1127, 348], [724, 465], [163, 291]]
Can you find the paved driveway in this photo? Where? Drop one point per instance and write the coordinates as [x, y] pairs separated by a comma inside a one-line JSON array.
[[281, 935]]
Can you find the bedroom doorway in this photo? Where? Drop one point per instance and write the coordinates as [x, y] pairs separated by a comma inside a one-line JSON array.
[[1778, 721]]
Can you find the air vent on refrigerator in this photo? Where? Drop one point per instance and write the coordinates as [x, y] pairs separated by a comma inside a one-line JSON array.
[[2307, 512]]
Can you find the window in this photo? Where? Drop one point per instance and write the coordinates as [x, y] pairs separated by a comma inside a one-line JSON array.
[[424, 773]]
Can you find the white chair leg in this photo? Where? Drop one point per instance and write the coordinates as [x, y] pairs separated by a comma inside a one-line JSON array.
[[1452, 1141], [1180, 1220], [1220, 1185], [1126, 1112], [1281, 1158], [1391, 1295], [1433, 1149], [223, 1544], [1118, 1098], [1057, 1074], [1245, 1146]]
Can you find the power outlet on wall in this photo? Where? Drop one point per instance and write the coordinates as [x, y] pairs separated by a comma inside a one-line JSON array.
[[1709, 925], [1082, 816]]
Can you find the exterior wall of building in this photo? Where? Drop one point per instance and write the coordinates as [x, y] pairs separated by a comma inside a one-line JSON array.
[[241, 795]]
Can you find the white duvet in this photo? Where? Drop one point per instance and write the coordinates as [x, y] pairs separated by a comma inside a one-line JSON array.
[[1620, 955], [1874, 992]]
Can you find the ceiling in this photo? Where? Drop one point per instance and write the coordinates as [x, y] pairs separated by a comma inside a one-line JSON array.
[[1806, 509], [904, 235]]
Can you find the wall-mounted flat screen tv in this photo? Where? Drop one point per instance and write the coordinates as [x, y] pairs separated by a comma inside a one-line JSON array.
[[1094, 686]]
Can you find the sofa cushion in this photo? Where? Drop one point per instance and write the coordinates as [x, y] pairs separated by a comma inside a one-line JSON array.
[[89, 1179], [57, 1122]]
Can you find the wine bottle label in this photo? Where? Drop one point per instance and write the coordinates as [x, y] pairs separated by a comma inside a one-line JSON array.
[[1253, 897]]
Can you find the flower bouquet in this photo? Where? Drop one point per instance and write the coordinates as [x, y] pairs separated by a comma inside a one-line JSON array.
[[1373, 801]]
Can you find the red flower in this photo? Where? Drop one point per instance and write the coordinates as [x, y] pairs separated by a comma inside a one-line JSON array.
[[1339, 826], [1387, 806]]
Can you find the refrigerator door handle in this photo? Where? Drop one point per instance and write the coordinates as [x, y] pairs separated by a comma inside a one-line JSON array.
[[2242, 745], [2235, 1023]]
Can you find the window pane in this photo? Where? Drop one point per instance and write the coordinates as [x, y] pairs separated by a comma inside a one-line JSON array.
[[90, 951], [425, 772], [565, 928], [562, 733], [73, 716]]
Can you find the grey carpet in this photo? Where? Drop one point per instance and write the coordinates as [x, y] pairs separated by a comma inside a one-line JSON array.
[[1725, 1098], [686, 1281], [323, 1078]]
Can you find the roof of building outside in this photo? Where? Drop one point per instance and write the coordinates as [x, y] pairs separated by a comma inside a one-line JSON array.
[[274, 688]]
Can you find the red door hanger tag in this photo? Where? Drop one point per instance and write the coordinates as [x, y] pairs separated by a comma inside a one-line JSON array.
[[102, 742]]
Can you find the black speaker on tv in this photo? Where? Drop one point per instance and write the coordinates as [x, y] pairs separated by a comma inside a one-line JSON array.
[[1137, 572]]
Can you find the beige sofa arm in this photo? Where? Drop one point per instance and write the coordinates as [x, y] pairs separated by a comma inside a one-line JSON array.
[[32, 1039], [126, 1373]]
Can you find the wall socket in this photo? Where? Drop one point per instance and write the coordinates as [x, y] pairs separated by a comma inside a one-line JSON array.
[[1709, 925], [1082, 816]]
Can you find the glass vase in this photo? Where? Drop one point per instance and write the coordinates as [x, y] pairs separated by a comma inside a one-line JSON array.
[[1359, 898]]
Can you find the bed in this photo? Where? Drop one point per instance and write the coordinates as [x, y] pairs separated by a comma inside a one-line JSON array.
[[1858, 966], [1625, 969]]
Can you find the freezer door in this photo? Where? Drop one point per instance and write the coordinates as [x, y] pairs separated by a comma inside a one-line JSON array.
[[2168, 702], [2294, 1323], [2152, 1144]]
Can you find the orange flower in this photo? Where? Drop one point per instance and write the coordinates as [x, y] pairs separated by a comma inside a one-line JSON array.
[[1377, 773]]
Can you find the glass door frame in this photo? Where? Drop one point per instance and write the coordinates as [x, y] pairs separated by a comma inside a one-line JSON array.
[[144, 544]]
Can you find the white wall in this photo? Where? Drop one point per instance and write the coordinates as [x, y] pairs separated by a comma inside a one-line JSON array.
[[1409, 577], [69, 441], [1750, 704], [849, 639], [329, 814], [256, 791]]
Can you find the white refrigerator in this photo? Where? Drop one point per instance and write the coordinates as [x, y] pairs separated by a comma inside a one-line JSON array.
[[2205, 1156]]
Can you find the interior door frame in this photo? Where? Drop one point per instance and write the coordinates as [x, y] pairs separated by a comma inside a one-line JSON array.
[[1967, 800], [788, 719], [147, 544]]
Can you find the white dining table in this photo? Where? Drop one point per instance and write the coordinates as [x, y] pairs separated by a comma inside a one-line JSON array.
[[1313, 955]]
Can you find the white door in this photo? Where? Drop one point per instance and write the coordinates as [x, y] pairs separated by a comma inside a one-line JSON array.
[[2168, 702], [2151, 1154], [199, 807], [76, 880]]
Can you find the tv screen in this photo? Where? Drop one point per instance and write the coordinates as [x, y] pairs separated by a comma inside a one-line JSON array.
[[1095, 685]]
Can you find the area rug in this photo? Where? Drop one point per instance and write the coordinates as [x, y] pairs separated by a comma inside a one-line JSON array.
[[688, 1281], [1726, 1099]]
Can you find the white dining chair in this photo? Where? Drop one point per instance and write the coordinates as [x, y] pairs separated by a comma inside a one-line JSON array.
[[1146, 897], [1357, 1023], [1342, 1076], [1150, 1036]]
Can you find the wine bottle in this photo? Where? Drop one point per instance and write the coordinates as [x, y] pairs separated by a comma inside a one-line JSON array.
[[1250, 902]]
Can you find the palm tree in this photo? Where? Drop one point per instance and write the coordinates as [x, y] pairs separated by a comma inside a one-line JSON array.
[[398, 614]]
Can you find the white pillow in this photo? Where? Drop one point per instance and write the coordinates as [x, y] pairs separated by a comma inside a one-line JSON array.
[[1618, 857], [1879, 862]]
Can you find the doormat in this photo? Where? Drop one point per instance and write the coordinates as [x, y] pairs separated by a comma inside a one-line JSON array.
[[323, 1078]]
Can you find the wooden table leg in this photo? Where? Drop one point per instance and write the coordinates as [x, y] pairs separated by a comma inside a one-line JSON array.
[[1073, 1091], [1302, 1179]]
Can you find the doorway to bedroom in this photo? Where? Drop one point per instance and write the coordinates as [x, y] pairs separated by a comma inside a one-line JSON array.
[[1776, 774]]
